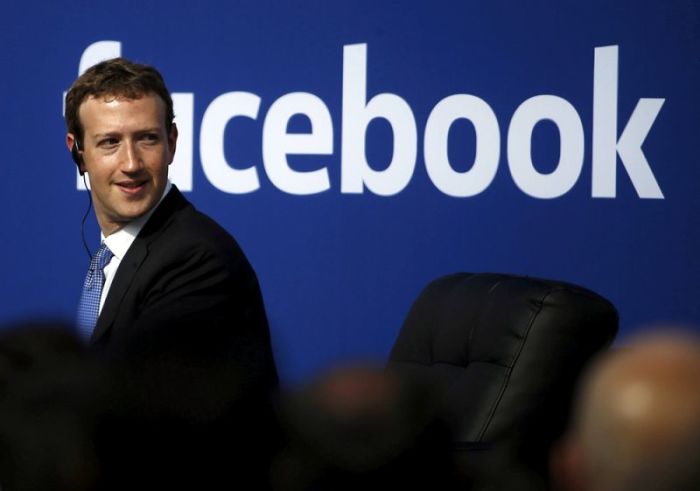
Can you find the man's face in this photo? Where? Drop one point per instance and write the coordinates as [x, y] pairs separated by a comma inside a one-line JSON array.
[[126, 151]]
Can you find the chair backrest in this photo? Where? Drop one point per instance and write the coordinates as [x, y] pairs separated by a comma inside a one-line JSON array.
[[507, 349]]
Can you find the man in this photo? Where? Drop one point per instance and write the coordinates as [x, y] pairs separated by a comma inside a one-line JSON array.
[[177, 286], [639, 408]]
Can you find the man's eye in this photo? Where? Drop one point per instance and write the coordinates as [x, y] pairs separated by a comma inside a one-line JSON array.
[[108, 142], [150, 137]]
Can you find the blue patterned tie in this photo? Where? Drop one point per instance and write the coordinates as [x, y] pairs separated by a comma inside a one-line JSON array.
[[89, 306]]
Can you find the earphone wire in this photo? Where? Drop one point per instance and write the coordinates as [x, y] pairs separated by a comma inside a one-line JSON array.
[[82, 223]]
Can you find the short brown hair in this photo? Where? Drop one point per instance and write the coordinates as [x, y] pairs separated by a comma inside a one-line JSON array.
[[117, 77]]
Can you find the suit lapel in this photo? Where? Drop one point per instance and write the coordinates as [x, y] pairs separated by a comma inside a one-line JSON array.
[[134, 258], [121, 283]]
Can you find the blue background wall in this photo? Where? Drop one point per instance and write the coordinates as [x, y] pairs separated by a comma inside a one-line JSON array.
[[339, 271]]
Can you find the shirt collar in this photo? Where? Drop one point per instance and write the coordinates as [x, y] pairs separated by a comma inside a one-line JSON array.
[[120, 241]]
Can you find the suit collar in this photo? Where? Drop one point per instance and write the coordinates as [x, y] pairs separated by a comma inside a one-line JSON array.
[[163, 215]]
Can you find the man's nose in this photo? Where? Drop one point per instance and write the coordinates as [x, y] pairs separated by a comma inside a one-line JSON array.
[[132, 161]]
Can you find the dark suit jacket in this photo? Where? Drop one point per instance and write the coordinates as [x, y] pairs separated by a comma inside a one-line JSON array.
[[185, 292]]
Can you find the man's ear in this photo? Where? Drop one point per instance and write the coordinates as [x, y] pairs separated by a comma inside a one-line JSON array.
[[172, 142], [76, 152]]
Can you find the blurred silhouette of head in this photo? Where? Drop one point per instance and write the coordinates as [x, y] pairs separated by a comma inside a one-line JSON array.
[[50, 393], [638, 405], [360, 427]]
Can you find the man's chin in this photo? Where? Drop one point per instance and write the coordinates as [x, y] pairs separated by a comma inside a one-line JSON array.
[[135, 211]]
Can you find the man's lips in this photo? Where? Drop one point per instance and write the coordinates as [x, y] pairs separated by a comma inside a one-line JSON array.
[[132, 187]]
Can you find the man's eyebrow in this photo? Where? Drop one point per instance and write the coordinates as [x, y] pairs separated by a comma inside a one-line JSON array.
[[97, 136], [154, 129]]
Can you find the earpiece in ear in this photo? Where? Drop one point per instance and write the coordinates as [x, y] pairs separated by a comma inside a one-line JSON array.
[[77, 157]]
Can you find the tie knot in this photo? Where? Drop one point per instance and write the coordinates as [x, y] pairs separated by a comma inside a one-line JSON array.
[[101, 257]]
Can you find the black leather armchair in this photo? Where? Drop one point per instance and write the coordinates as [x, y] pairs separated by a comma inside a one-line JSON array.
[[506, 352]]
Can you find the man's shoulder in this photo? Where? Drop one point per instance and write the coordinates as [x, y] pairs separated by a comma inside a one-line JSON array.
[[180, 229], [197, 228]]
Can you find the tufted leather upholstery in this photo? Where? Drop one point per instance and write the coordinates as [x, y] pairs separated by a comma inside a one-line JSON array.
[[507, 351]]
